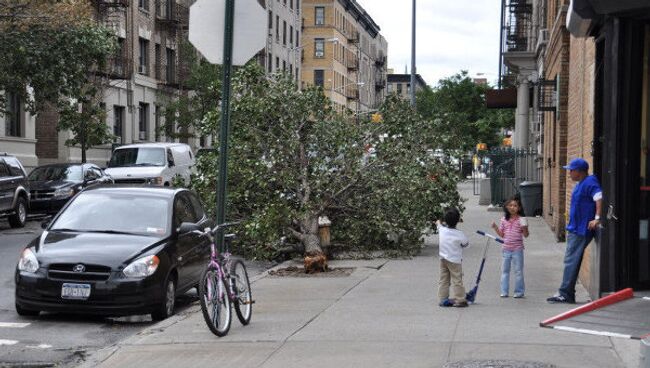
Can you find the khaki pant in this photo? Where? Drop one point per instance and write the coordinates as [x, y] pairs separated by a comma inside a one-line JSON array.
[[451, 274]]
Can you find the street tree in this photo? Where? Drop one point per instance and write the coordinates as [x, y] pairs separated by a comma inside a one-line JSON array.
[[456, 108], [294, 160]]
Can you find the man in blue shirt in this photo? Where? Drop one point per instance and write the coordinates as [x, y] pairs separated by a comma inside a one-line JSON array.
[[584, 218]]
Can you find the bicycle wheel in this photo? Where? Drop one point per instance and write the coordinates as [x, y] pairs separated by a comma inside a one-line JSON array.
[[242, 288], [215, 304]]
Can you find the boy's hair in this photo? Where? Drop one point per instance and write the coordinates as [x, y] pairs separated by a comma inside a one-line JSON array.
[[517, 199], [452, 216]]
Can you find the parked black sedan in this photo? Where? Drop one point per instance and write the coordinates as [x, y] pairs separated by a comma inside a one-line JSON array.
[[52, 186], [115, 251]]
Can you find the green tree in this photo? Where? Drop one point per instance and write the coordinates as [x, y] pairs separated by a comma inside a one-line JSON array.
[[456, 108], [293, 159]]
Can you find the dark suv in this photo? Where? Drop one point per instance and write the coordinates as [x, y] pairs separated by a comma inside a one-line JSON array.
[[14, 191]]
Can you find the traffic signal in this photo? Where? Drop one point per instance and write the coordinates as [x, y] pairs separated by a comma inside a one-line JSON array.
[[376, 118]]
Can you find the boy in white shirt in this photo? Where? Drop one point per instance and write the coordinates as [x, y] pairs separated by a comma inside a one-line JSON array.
[[451, 244]]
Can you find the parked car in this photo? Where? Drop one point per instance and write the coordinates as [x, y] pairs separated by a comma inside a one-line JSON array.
[[115, 250], [151, 163], [14, 191], [52, 186]]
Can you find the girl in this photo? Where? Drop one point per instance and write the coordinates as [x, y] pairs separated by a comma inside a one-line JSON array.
[[513, 228]]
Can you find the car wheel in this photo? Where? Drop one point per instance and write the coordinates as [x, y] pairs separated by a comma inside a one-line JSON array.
[[167, 304], [19, 218], [26, 312]]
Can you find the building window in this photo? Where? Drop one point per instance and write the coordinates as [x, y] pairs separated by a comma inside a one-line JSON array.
[[291, 4], [277, 28], [291, 36], [143, 122], [320, 15], [143, 4], [319, 47], [270, 62], [144, 56], [171, 66], [156, 124], [157, 61], [389, 88], [284, 32], [297, 73], [270, 20], [13, 115], [319, 78], [297, 38], [118, 123], [399, 88], [277, 63]]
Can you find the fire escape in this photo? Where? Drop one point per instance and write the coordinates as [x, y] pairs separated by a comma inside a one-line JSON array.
[[172, 20], [112, 13], [517, 44]]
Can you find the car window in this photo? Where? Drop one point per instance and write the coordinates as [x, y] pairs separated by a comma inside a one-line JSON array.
[[198, 208], [14, 166], [125, 157], [44, 173], [170, 157], [4, 171], [183, 210], [97, 211], [98, 172]]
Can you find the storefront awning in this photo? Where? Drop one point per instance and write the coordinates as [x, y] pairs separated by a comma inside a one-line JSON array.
[[584, 15]]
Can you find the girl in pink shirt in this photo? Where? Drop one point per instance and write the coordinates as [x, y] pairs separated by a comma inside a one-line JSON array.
[[513, 228]]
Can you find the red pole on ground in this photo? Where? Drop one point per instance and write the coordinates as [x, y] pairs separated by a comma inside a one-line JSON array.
[[602, 302]]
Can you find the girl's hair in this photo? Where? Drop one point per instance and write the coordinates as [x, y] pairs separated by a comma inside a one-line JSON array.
[[505, 207]]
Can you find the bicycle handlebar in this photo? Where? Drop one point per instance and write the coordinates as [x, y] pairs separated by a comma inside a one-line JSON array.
[[213, 232], [490, 236]]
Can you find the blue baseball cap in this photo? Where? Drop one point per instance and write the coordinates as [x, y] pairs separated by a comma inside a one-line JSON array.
[[577, 164]]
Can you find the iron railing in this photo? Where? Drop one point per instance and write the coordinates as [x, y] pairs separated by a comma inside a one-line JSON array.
[[509, 167]]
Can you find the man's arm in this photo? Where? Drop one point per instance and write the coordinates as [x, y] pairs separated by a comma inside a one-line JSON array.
[[594, 223]]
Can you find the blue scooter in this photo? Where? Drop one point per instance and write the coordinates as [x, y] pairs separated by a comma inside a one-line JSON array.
[[471, 295]]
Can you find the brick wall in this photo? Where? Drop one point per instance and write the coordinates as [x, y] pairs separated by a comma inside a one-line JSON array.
[[47, 137], [581, 118], [555, 128]]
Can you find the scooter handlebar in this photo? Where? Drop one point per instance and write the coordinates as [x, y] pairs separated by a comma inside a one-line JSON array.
[[490, 236]]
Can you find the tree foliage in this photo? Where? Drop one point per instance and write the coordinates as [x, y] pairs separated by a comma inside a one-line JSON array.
[[456, 108], [293, 159]]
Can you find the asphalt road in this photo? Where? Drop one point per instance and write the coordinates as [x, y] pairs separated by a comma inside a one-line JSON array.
[[57, 339]]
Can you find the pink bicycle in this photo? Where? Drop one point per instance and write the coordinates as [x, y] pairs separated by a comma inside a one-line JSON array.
[[224, 283]]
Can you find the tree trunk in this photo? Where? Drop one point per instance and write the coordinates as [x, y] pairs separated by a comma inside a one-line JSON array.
[[315, 259]]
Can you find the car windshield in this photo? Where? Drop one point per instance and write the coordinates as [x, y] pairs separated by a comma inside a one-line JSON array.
[[45, 173], [113, 212], [138, 157]]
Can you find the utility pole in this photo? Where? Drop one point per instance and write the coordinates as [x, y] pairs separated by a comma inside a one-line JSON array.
[[501, 30], [413, 71]]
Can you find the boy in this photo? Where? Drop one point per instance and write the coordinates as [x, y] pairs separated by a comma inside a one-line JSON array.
[[452, 242]]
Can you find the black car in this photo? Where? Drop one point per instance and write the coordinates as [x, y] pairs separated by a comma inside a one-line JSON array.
[[52, 186], [14, 191], [115, 251]]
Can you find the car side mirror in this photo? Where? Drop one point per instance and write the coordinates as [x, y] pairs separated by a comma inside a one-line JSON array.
[[46, 222], [187, 227]]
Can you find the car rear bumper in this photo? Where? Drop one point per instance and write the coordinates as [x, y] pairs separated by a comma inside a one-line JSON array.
[[114, 297]]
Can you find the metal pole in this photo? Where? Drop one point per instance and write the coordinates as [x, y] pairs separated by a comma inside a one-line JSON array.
[[503, 10], [225, 117], [413, 71]]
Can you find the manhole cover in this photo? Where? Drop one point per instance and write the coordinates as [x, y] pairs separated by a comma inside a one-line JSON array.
[[300, 272], [497, 364]]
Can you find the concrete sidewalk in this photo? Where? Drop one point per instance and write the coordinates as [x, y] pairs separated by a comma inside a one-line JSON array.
[[385, 314]]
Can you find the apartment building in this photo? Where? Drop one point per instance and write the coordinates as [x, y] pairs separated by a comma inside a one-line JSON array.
[[401, 84], [343, 52], [283, 48]]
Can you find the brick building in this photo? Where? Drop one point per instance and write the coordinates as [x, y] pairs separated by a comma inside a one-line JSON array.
[[344, 53], [401, 84]]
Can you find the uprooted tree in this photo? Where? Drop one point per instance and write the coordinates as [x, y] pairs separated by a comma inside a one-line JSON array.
[[293, 160]]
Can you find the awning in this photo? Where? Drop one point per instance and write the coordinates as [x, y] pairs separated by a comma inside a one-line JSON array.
[[501, 98], [618, 315], [584, 15]]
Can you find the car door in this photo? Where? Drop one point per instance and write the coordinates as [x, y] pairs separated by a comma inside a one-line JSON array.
[[185, 243], [6, 187]]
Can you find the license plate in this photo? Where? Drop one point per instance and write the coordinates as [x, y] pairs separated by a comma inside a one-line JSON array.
[[75, 291]]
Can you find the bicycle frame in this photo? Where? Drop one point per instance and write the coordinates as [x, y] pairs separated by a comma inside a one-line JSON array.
[[220, 261]]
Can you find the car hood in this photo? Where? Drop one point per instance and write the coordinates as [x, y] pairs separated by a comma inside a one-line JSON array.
[[111, 250], [134, 172], [51, 184]]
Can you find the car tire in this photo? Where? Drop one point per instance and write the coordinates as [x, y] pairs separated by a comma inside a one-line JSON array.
[[19, 218], [166, 307], [26, 312]]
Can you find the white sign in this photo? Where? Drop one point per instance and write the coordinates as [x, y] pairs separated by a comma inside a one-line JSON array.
[[207, 20]]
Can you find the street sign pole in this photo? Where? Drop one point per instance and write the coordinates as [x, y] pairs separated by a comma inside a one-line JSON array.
[[225, 117]]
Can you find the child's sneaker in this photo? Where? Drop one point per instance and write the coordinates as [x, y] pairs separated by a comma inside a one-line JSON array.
[[446, 303], [504, 295], [462, 304], [518, 296]]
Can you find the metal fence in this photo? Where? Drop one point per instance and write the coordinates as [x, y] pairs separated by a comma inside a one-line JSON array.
[[507, 169]]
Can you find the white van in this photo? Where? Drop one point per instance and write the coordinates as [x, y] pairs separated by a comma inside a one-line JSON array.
[[151, 163]]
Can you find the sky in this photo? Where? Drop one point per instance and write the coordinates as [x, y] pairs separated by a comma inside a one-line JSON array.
[[452, 35]]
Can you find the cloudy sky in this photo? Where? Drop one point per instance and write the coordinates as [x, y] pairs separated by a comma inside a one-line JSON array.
[[451, 35]]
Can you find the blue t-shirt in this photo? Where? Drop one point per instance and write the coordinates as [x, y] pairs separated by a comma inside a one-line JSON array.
[[583, 205]]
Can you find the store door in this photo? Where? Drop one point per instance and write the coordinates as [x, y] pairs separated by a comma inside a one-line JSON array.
[[640, 267]]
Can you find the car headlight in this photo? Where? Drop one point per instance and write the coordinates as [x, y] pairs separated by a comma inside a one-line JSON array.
[[64, 193], [28, 261], [158, 180], [142, 267]]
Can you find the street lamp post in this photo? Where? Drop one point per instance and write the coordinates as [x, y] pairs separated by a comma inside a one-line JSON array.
[[413, 71]]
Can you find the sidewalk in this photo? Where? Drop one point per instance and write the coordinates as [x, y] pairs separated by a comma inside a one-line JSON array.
[[385, 315]]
